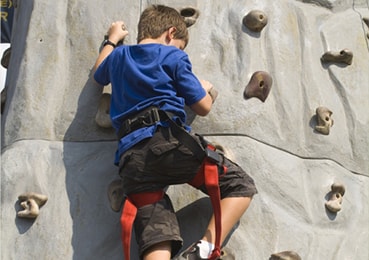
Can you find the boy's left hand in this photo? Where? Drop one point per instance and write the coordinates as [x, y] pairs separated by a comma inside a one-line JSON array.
[[117, 32]]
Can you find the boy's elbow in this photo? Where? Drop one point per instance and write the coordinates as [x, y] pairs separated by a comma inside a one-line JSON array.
[[203, 113], [203, 107]]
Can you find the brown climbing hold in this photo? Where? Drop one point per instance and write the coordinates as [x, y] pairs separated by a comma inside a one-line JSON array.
[[102, 116], [115, 195], [285, 255], [255, 20], [5, 59], [31, 203], [366, 21], [324, 120], [259, 86], [334, 204], [344, 56], [190, 15]]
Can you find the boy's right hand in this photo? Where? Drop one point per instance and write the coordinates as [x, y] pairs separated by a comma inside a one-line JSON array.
[[117, 32], [209, 88]]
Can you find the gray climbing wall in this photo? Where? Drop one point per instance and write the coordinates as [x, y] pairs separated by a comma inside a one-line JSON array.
[[52, 145]]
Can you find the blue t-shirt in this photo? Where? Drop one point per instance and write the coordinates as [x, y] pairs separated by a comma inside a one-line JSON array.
[[147, 75]]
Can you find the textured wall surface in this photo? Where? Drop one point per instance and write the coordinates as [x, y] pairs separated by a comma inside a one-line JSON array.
[[52, 145]]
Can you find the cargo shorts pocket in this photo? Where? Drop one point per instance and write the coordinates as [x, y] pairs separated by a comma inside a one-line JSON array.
[[162, 148], [169, 157], [131, 162]]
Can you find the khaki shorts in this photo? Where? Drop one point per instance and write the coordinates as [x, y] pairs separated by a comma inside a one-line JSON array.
[[160, 161]]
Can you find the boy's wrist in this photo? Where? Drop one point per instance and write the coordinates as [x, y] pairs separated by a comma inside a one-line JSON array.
[[108, 42]]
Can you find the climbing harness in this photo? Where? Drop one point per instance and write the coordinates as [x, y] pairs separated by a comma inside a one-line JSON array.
[[207, 175]]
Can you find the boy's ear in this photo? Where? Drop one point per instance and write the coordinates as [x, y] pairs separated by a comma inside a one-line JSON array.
[[171, 32]]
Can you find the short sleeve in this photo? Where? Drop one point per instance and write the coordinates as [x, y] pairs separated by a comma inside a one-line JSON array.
[[101, 74], [188, 85]]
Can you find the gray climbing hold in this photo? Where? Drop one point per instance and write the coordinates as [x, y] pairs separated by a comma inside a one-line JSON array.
[[285, 255], [334, 204], [115, 195], [190, 15], [255, 20], [102, 117], [344, 56], [324, 120], [259, 86], [31, 203]]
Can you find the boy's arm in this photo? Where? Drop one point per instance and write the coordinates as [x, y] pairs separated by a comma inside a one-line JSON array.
[[203, 107], [117, 31]]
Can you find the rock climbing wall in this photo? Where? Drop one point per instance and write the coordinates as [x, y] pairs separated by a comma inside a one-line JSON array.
[[299, 127]]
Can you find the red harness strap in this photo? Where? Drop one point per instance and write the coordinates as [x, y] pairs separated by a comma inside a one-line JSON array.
[[132, 203], [208, 175]]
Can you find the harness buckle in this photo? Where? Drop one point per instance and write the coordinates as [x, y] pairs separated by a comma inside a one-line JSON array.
[[151, 117], [213, 156]]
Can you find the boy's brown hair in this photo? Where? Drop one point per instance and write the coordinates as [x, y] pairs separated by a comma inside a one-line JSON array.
[[156, 19]]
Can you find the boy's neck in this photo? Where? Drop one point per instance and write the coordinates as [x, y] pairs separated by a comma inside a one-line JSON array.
[[150, 40]]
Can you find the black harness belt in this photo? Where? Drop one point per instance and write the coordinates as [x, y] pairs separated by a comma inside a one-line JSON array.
[[147, 117]]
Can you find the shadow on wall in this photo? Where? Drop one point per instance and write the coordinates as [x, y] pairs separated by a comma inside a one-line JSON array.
[[88, 156]]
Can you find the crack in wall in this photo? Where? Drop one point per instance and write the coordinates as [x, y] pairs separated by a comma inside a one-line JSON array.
[[285, 150]]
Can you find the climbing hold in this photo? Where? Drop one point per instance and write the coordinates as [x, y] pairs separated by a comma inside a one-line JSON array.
[[224, 150], [285, 255], [255, 20], [366, 21], [102, 116], [190, 15], [5, 59], [324, 120], [344, 56], [31, 203], [115, 195], [213, 94], [334, 204], [259, 86]]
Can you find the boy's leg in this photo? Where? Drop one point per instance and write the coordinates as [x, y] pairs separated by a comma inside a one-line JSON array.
[[237, 189], [232, 210], [157, 230], [159, 251]]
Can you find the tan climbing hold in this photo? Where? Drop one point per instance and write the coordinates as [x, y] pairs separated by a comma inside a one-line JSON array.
[[344, 56], [285, 255], [102, 118], [224, 150], [190, 15], [255, 20], [31, 203], [115, 195], [213, 94], [259, 86], [334, 204], [324, 120]]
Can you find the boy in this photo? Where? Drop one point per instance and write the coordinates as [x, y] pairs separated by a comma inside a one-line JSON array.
[[151, 83]]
